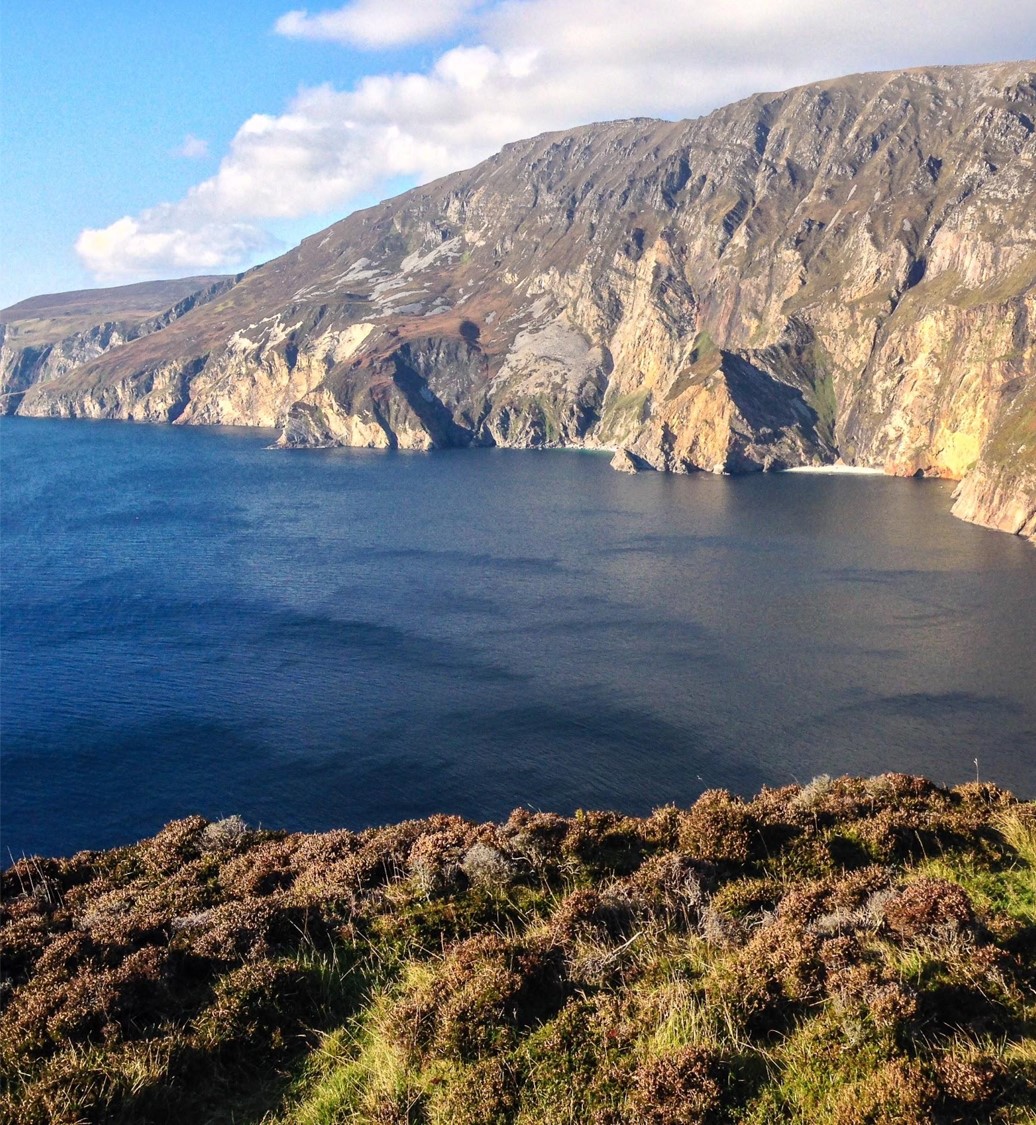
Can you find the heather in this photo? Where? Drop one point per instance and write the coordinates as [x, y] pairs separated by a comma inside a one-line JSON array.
[[852, 951]]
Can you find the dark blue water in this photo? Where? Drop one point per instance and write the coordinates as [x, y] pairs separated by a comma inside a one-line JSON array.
[[193, 623]]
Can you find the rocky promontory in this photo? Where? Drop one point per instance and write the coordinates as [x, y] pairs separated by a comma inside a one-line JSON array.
[[846, 270]]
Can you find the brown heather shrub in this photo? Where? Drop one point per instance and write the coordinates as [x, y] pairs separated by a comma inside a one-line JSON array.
[[661, 830], [589, 914], [853, 889], [670, 889], [891, 835], [805, 903], [974, 1080], [24, 907], [434, 863], [685, 1088], [717, 829], [115, 936], [178, 843], [894, 815], [791, 953], [233, 931], [984, 795], [848, 984], [189, 889], [856, 979], [265, 867], [763, 983], [318, 850], [384, 851], [462, 1010], [66, 953], [890, 1004], [23, 937], [777, 808], [842, 903], [376, 857], [605, 842], [484, 989], [973, 811], [454, 833], [318, 854], [108, 1002], [929, 908], [897, 1093], [838, 954], [830, 800], [381, 856], [912, 818], [535, 837]]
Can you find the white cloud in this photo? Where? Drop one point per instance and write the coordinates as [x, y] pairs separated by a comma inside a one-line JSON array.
[[193, 148], [537, 65], [159, 241], [377, 23]]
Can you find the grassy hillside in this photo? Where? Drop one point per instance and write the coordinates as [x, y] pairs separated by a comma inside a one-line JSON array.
[[852, 952], [51, 317]]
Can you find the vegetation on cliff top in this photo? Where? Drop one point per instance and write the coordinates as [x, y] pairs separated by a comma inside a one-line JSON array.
[[852, 951]]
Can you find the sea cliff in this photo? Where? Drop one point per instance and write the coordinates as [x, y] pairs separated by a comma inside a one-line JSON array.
[[846, 270]]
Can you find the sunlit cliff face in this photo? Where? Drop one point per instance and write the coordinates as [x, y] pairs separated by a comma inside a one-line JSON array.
[[846, 270]]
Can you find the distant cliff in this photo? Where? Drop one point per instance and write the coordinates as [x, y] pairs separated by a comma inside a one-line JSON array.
[[844, 270], [46, 337]]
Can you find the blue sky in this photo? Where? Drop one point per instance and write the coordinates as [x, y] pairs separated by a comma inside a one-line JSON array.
[[161, 139], [97, 98]]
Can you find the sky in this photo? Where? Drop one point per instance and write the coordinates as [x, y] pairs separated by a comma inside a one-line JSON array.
[[161, 139]]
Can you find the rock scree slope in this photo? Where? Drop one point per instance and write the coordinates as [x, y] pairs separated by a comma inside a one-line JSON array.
[[843, 271]]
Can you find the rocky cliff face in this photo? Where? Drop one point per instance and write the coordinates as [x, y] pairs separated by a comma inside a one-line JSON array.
[[845, 270], [46, 337]]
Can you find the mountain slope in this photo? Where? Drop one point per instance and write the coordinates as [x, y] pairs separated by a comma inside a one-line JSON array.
[[45, 337], [847, 270]]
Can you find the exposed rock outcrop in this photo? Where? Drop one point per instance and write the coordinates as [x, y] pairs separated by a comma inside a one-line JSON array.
[[844, 270], [1000, 490], [626, 462]]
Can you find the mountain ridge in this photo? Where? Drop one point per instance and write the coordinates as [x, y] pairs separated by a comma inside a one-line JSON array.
[[845, 270]]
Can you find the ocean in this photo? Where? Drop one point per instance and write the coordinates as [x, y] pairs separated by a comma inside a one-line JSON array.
[[192, 622]]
